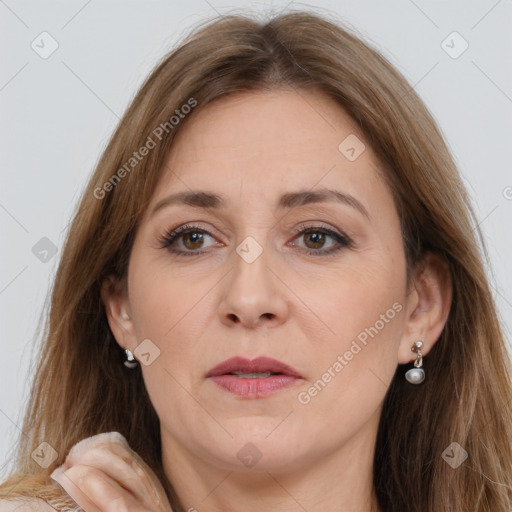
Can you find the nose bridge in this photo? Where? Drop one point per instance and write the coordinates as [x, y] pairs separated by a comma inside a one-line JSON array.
[[252, 291], [250, 268]]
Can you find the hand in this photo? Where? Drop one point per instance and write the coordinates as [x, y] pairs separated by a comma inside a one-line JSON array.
[[103, 474]]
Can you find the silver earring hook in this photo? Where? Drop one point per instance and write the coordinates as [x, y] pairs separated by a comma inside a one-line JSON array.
[[416, 375]]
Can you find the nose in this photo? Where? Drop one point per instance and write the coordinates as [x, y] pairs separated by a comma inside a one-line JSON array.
[[254, 294]]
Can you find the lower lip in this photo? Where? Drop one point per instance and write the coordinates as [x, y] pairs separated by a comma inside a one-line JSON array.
[[254, 388]]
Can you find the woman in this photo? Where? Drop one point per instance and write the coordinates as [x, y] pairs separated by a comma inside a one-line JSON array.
[[278, 241]]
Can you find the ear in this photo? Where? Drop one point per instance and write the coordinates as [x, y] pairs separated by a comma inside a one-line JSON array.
[[427, 306], [115, 299]]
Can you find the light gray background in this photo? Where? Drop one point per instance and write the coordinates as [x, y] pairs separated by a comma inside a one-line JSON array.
[[57, 114]]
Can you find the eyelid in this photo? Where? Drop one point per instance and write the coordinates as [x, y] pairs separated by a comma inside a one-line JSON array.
[[319, 225]]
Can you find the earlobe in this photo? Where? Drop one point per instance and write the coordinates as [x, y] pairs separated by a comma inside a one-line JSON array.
[[117, 311], [428, 306]]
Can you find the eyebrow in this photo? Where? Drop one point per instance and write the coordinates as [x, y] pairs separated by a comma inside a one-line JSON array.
[[210, 200]]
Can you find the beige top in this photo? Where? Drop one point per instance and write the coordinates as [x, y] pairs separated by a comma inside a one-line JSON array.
[[47, 502], [25, 505]]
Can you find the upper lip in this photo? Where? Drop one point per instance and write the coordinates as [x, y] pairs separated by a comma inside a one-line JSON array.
[[260, 364]]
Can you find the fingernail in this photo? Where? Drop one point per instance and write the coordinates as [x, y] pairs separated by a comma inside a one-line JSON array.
[[56, 474]]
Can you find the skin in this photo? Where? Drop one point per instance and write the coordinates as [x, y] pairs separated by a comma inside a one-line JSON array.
[[102, 473], [303, 309]]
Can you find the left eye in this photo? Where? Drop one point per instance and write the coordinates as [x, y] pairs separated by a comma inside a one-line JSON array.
[[315, 236]]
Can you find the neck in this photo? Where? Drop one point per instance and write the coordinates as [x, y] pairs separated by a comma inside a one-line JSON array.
[[339, 479]]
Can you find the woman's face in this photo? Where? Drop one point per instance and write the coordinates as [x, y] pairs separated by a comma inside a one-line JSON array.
[[330, 303]]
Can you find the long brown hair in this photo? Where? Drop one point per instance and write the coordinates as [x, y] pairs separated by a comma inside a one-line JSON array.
[[81, 387]]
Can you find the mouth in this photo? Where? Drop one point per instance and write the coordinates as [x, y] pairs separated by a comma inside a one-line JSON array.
[[255, 378], [254, 375]]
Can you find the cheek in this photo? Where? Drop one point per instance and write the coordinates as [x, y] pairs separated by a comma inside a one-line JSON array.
[[344, 302], [161, 297], [171, 310], [358, 324], [171, 307]]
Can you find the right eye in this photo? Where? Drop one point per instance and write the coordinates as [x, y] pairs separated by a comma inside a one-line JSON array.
[[190, 238]]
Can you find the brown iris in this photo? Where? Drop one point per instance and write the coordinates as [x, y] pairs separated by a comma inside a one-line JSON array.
[[196, 240], [318, 239]]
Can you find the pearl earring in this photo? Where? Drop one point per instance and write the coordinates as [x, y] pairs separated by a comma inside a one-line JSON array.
[[130, 360], [416, 375]]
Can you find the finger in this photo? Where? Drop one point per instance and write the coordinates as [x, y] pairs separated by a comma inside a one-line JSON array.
[[149, 477], [111, 451], [120, 465], [72, 487], [98, 451], [96, 491]]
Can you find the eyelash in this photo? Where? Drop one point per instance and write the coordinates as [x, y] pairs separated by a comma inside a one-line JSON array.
[[170, 237]]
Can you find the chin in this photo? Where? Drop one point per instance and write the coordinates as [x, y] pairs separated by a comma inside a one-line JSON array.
[[255, 450]]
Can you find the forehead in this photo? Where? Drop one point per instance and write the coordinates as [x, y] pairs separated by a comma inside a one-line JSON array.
[[265, 141], [258, 123]]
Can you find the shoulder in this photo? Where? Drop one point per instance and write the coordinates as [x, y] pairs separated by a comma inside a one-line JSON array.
[[26, 504]]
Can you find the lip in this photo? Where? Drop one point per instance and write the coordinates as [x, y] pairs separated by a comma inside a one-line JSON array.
[[259, 387], [260, 364]]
